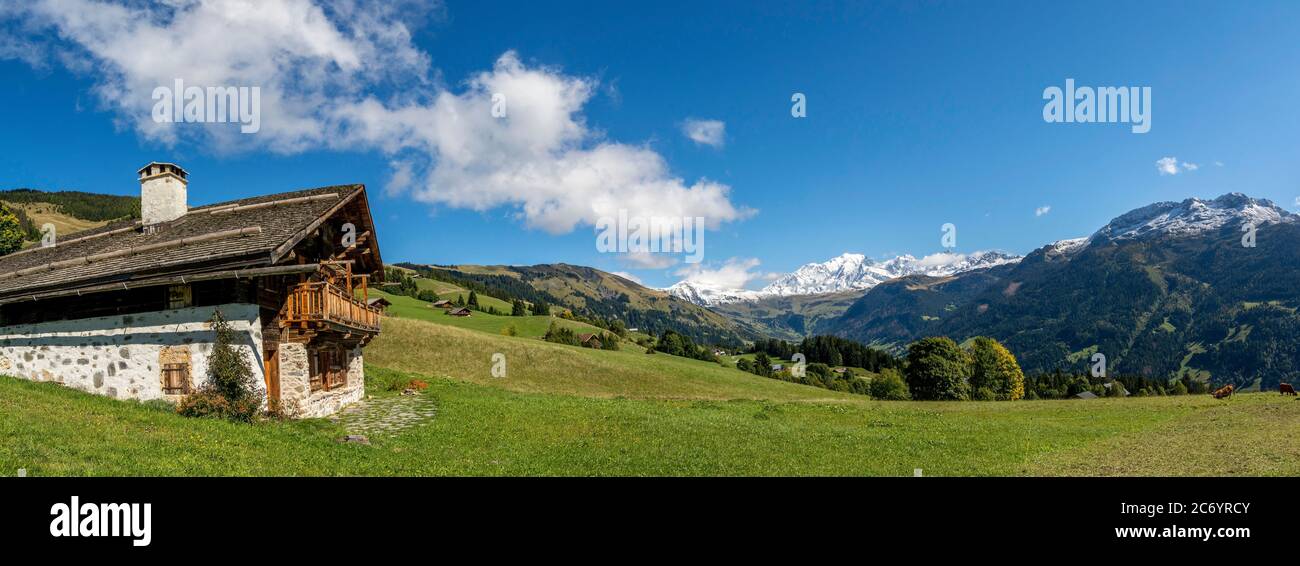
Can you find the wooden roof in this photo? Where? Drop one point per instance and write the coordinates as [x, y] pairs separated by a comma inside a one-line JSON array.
[[246, 233]]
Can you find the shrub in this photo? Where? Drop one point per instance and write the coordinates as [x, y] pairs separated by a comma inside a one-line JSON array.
[[203, 403], [609, 342], [561, 335], [995, 368], [231, 390], [510, 330], [938, 369], [1178, 389], [889, 386], [11, 233], [1116, 389]]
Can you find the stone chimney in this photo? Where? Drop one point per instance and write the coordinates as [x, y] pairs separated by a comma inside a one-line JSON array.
[[162, 193]]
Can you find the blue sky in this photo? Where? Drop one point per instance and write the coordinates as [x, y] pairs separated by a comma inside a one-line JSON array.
[[918, 114]]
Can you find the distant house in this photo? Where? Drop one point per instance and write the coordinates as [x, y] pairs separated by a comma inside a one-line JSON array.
[[442, 304], [718, 352], [1085, 395], [838, 370], [1114, 383], [462, 311], [777, 367], [123, 310], [590, 341], [380, 303]]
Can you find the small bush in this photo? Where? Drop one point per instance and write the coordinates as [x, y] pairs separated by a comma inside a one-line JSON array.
[[231, 390], [889, 386], [203, 404]]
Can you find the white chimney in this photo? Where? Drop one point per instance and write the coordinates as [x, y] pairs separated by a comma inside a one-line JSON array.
[[162, 193]]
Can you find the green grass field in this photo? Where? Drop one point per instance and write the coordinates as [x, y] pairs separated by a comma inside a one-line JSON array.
[[569, 411], [525, 326], [450, 291]]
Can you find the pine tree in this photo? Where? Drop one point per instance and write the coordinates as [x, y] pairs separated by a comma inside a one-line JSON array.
[[540, 308]]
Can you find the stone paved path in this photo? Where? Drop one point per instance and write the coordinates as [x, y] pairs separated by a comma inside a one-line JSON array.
[[386, 415]]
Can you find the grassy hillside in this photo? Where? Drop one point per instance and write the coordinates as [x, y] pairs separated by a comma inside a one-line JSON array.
[[487, 430], [536, 366], [525, 326], [69, 211], [594, 293]]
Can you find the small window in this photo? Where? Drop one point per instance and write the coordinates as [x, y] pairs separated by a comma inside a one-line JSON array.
[[179, 297], [176, 379], [328, 369]]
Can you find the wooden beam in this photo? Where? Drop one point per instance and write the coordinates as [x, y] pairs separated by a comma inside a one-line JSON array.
[[162, 281]]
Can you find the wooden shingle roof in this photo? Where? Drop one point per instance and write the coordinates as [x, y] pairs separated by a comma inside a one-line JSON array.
[[249, 232]]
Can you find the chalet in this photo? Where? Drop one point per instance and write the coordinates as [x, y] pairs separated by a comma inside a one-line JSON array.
[[462, 311], [443, 304], [590, 341], [380, 303], [124, 310]]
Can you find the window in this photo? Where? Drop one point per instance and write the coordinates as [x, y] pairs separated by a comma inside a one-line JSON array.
[[179, 297], [329, 369], [176, 379]]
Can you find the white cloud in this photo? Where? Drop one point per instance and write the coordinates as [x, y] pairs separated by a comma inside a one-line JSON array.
[[706, 132], [1042, 210], [940, 259], [1218, 164], [1170, 166], [1167, 165], [344, 75], [735, 273], [628, 276]]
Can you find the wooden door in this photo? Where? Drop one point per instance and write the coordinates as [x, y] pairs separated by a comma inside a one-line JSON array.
[[271, 362]]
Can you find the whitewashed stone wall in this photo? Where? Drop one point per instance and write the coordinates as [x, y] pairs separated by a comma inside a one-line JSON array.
[[295, 384], [118, 356]]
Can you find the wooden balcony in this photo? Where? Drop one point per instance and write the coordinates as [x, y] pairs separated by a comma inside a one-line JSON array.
[[320, 304]]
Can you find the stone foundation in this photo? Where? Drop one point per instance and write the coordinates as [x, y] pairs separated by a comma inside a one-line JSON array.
[[295, 384], [122, 356]]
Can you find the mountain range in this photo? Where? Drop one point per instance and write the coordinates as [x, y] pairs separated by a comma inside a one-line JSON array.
[[1202, 288], [847, 272]]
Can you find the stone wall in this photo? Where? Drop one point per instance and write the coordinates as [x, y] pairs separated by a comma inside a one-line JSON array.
[[121, 356], [295, 384]]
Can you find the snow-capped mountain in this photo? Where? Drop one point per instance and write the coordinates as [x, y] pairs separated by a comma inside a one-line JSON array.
[[708, 295], [856, 271], [849, 271], [1192, 217]]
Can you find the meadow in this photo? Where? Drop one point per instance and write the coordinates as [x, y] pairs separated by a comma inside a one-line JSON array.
[[562, 410]]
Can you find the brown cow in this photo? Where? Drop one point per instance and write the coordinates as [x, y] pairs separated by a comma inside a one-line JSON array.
[[1223, 392], [1286, 389]]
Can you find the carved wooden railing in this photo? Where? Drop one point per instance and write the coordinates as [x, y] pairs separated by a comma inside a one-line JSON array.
[[322, 302]]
